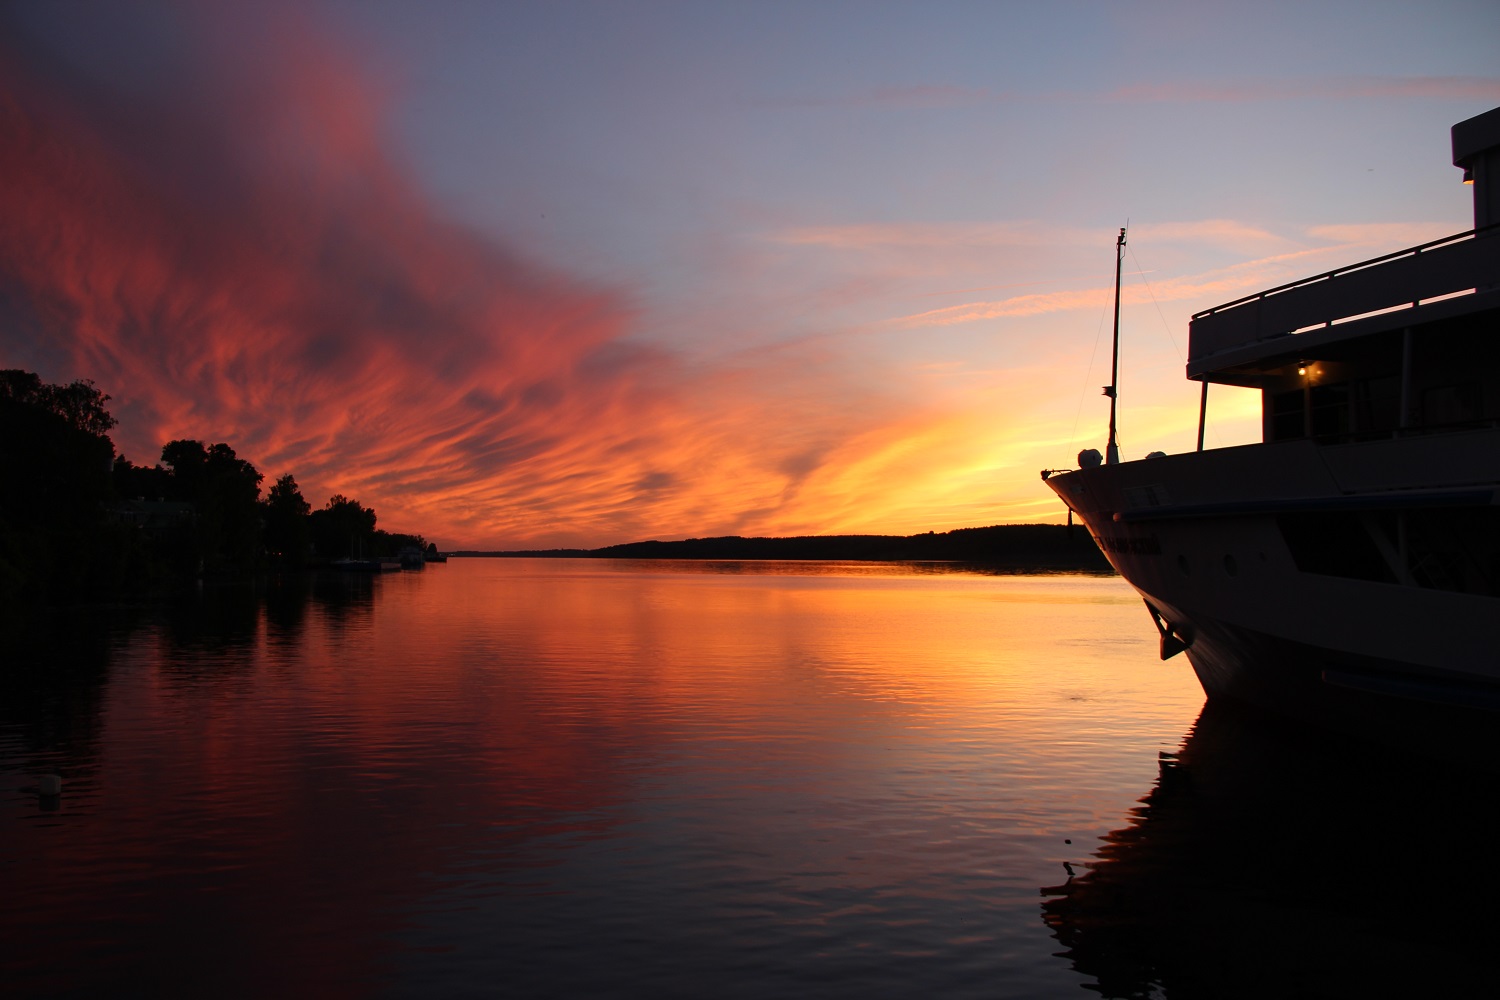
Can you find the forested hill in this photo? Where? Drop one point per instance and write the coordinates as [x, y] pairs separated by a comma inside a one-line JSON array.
[[1020, 546]]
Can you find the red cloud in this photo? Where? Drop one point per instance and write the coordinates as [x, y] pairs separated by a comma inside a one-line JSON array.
[[238, 260], [218, 235]]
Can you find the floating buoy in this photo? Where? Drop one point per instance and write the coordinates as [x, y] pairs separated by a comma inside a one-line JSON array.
[[49, 786]]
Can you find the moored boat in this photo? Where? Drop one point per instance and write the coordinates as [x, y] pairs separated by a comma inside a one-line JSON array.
[[1347, 568], [380, 565]]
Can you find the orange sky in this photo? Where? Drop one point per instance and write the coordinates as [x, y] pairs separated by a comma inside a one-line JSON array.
[[249, 256]]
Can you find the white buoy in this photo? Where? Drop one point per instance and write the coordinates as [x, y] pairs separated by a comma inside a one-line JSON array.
[[49, 785]]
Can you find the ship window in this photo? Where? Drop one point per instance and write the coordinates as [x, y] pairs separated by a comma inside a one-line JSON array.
[[1330, 410], [1455, 549], [1451, 404], [1286, 415], [1377, 404], [1333, 544]]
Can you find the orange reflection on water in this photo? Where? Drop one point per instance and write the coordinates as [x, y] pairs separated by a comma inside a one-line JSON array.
[[314, 773]]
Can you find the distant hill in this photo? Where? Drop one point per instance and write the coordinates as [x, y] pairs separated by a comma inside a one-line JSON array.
[[1017, 546]]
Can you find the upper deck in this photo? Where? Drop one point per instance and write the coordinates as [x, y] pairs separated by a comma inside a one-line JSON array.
[[1452, 276], [1242, 342]]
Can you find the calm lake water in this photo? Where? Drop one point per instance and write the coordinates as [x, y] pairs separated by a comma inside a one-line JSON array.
[[600, 778]]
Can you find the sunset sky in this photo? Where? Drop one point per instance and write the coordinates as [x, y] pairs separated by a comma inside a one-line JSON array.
[[577, 273]]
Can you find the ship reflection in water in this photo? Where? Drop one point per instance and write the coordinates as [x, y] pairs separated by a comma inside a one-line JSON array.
[[1270, 861]]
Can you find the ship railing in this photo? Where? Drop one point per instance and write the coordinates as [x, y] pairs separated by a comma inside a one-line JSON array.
[[1445, 268], [1419, 430]]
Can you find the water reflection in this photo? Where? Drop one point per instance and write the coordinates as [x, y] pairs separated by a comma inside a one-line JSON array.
[[824, 778], [266, 777], [51, 680], [1271, 861]]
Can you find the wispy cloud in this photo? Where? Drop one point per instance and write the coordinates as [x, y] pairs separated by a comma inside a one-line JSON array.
[[870, 236], [1327, 88], [1228, 233], [930, 96], [272, 279], [1292, 257], [243, 261], [1017, 305], [1381, 236], [221, 235], [916, 96]]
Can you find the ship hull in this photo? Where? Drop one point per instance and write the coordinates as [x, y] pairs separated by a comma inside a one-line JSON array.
[[1337, 587], [1406, 703], [1345, 571]]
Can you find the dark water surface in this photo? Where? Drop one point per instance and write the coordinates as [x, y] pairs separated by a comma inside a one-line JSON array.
[[597, 778]]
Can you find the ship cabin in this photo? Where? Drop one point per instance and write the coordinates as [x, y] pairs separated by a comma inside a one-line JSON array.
[[1407, 343]]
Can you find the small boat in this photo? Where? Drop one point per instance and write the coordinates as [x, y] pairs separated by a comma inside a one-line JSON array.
[[1346, 569]]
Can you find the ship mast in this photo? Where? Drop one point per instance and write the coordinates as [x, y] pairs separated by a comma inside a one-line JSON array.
[[1112, 450]]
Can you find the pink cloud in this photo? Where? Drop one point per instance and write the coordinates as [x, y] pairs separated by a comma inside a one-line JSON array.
[[1294, 259], [270, 278], [238, 258]]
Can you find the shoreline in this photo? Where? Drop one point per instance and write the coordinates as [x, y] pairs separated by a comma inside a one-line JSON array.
[[1039, 546]]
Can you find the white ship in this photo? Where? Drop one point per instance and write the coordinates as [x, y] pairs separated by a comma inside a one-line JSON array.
[[1346, 570]]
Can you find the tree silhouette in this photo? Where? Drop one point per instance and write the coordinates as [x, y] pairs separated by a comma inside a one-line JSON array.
[[56, 457], [72, 520], [79, 404], [144, 482], [343, 528], [288, 531], [226, 492]]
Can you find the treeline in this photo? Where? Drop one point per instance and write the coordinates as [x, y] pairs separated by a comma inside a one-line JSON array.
[[77, 518], [1014, 546]]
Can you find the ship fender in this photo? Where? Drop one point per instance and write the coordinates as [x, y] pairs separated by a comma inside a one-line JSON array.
[[1174, 638]]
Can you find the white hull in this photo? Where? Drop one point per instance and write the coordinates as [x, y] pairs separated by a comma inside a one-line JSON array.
[[1301, 577]]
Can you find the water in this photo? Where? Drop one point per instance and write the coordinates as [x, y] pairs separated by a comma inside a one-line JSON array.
[[598, 778]]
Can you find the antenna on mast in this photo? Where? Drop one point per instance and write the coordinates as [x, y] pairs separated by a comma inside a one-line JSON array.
[[1112, 449]]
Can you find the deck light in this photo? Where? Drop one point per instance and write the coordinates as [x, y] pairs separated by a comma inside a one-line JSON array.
[[1468, 175]]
